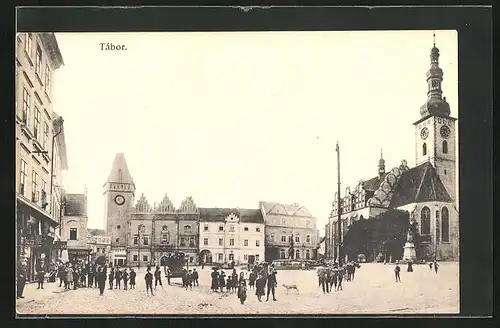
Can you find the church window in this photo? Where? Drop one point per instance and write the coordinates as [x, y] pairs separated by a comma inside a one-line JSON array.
[[424, 149], [445, 147], [445, 229], [425, 221]]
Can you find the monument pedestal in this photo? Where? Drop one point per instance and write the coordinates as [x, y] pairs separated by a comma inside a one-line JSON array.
[[409, 252]]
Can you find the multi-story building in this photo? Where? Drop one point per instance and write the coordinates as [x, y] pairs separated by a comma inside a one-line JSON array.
[[154, 231], [427, 191], [290, 231], [40, 149], [231, 234], [74, 227]]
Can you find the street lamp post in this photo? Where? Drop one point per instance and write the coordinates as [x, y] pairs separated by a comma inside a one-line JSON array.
[[339, 207]]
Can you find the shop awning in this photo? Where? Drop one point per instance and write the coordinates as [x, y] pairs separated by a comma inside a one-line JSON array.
[[36, 210]]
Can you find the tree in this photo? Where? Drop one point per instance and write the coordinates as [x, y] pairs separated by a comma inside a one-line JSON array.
[[390, 231], [358, 239]]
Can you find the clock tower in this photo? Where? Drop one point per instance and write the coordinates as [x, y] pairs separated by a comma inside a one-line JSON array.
[[435, 135], [118, 191]]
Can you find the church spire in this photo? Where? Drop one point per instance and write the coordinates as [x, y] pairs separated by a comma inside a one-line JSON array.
[[435, 104], [119, 171], [381, 165]]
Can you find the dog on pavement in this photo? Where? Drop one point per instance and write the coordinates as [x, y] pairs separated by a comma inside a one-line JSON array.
[[291, 287]]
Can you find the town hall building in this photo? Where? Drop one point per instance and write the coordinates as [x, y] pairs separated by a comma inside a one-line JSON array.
[[427, 191]]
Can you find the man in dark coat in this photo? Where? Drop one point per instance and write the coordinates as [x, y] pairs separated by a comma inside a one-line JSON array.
[[195, 278], [271, 282], [90, 276], [21, 278], [149, 281], [158, 277], [100, 277]]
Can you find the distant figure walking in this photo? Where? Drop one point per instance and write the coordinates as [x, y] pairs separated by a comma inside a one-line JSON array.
[[397, 269], [101, 279], [195, 278], [340, 278], [430, 266], [149, 281], [436, 266]]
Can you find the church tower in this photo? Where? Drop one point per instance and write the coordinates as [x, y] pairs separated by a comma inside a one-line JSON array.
[[435, 139], [119, 191]]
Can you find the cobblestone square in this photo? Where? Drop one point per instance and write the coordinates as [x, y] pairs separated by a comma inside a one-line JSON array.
[[374, 291]]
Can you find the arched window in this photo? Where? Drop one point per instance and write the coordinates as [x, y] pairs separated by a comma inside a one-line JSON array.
[[297, 254], [445, 222], [308, 254], [425, 221], [424, 149], [141, 228], [282, 254], [445, 147]]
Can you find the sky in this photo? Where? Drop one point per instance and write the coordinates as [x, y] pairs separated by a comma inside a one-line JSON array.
[[234, 118]]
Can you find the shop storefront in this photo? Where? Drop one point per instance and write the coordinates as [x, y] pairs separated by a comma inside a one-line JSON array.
[[35, 237], [79, 254]]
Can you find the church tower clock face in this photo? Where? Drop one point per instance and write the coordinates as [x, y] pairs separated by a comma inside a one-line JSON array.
[[424, 133], [119, 200], [445, 131]]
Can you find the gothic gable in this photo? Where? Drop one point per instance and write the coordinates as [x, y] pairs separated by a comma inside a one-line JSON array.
[[188, 206], [142, 205], [165, 206]]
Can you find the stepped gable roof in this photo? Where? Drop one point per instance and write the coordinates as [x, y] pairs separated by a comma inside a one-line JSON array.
[[220, 214], [76, 205], [419, 184], [374, 183], [119, 170]]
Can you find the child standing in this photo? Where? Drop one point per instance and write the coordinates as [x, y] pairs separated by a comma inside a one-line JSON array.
[[149, 281], [132, 278]]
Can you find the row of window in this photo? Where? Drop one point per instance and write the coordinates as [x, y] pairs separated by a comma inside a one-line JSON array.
[[42, 136], [425, 222], [231, 228], [28, 47], [444, 146], [35, 183], [287, 239], [231, 242]]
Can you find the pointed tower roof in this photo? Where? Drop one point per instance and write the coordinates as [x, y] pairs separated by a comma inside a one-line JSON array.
[[119, 170]]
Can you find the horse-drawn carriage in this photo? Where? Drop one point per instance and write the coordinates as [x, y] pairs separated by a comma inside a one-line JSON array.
[[173, 264]]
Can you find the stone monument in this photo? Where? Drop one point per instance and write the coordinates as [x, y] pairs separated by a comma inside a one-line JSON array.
[[409, 249]]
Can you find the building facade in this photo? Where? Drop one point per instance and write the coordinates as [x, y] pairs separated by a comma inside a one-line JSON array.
[[74, 228], [291, 232], [99, 246], [231, 234], [427, 191], [40, 149]]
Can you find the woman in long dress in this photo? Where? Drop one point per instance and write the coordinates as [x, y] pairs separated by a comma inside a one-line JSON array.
[[70, 276], [215, 280], [260, 285], [242, 288]]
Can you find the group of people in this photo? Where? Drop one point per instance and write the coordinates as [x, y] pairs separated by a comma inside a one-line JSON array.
[[259, 276], [397, 269], [117, 275], [331, 277]]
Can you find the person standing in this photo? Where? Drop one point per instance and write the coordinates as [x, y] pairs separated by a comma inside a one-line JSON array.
[[118, 278], [132, 278], [340, 278], [242, 288], [195, 278], [60, 273], [111, 277], [251, 280], [149, 281], [397, 270], [430, 266], [260, 283], [90, 279], [70, 276], [21, 278], [101, 279], [410, 266], [76, 277], [335, 277], [189, 280], [271, 282], [125, 279], [215, 280], [436, 266], [40, 273], [222, 280], [158, 277]]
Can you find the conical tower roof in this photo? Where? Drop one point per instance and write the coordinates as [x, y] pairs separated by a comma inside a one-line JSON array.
[[119, 170]]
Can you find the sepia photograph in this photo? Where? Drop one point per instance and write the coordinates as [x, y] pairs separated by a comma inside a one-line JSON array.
[[223, 173]]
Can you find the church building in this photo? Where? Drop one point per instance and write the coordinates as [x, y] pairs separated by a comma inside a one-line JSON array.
[[427, 191]]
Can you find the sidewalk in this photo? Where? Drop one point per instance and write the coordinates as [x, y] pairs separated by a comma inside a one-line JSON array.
[[31, 294]]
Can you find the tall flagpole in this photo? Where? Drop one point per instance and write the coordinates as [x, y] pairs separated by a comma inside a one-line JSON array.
[[339, 207]]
